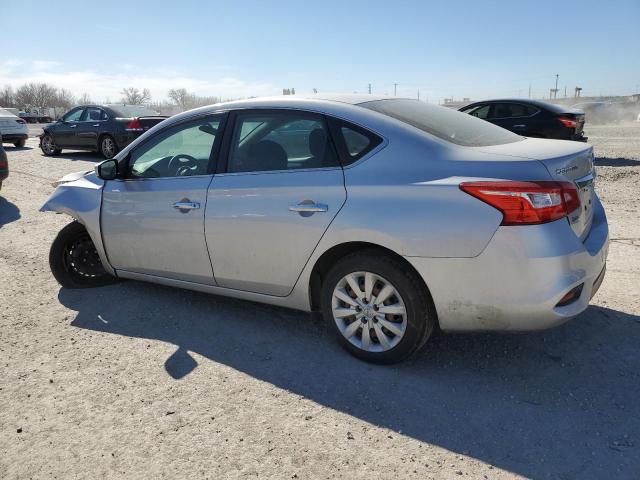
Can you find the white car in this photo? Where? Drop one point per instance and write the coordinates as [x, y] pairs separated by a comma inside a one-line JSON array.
[[13, 129]]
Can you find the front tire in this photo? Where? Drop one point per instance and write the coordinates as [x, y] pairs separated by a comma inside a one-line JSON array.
[[107, 147], [380, 311], [20, 143], [48, 146], [74, 260]]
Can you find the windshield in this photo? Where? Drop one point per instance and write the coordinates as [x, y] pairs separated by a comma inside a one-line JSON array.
[[127, 111], [447, 124]]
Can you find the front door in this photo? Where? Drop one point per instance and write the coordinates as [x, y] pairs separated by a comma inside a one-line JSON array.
[[268, 210], [88, 129], [65, 130], [153, 220]]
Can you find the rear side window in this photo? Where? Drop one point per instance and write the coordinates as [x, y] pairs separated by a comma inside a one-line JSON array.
[[510, 110], [447, 124], [280, 140]]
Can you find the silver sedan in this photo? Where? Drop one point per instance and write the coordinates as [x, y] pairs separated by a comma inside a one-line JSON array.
[[391, 216]]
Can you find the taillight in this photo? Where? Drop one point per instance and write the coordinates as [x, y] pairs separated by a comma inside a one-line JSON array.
[[568, 122], [526, 203], [134, 126], [20, 120]]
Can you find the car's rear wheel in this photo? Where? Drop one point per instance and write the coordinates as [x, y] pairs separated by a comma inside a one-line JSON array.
[[379, 309], [74, 261], [108, 147], [48, 146], [20, 143]]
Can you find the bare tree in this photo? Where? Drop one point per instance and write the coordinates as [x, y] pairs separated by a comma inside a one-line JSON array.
[[64, 98], [85, 99], [133, 96], [36, 95], [7, 97], [181, 97]]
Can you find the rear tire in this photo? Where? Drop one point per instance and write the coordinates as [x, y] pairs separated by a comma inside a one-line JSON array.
[[20, 143], [107, 147], [391, 337], [48, 146], [74, 261]]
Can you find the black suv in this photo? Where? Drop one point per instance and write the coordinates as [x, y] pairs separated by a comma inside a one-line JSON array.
[[531, 118]]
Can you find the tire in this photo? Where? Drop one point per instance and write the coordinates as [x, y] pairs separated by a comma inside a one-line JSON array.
[[74, 261], [20, 143], [409, 294], [107, 146], [48, 146]]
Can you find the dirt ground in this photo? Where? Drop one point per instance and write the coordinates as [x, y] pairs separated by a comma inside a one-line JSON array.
[[141, 381]]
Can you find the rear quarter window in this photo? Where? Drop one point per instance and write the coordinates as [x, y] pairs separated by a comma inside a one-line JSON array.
[[451, 125], [353, 141]]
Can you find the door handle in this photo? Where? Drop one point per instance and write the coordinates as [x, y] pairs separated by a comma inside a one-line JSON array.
[[519, 126], [96, 125], [308, 207], [186, 205], [73, 126]]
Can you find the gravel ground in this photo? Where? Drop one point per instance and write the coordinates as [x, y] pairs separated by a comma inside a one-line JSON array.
[[141, 381]]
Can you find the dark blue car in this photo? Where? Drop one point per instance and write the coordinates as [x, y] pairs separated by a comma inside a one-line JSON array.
[[101, 128]]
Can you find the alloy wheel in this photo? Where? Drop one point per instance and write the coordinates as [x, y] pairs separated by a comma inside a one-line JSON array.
[[108, 147], [47, 145], [369, 311]]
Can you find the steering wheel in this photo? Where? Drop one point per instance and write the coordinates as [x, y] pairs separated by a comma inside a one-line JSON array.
[[183, 165]]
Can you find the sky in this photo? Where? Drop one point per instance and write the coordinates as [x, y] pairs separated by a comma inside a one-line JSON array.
[[231, 49]]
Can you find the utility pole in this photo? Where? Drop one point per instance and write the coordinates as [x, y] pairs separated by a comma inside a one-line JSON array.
[[555, 93], [395, 89], [565, 91], [369, 89], [529, 90], [418, 94]]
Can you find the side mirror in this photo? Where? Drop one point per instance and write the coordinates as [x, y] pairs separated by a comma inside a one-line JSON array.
[[107, 170]]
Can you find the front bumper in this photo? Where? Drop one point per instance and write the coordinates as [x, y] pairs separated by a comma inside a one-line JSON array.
[[516, 283]]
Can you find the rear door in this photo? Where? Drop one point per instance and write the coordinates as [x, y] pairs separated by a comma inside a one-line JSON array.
[[153, 220], [65, 130], [270, 206]]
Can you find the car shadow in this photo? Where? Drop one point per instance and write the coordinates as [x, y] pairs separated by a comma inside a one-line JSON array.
[[9, 212], [79, 155], [556, 404], [16, 149], [616, 162]]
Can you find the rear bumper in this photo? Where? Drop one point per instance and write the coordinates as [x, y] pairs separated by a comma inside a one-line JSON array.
[[516, 283], [14, 137]]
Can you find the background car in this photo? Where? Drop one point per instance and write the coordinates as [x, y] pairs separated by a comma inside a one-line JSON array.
[[531, 118], [102, 128], [4, 163], [385, 214], [13, 129]]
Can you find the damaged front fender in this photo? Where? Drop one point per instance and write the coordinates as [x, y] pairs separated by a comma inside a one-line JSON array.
[[79, 195]]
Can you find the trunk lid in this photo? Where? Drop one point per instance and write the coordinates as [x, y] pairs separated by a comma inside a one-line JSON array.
[[565, 161]]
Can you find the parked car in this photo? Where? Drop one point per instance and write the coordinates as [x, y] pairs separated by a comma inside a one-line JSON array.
[[13, 129], [102, 128], [531, 118], [4, 164], [391, 216]]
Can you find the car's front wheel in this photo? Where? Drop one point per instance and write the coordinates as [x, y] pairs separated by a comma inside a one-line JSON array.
[[108, 147], [379, 309], [74, 261], [48, 146]]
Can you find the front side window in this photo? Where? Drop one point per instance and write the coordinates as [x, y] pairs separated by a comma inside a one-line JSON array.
[[480, 112], [74, 115], [182, 150], [447, 124], [280, 140]]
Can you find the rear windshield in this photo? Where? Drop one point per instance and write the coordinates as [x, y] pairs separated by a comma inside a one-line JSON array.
[[447, 124], [129, 111]]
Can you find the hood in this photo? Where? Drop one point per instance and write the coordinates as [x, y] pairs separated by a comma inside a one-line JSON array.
[[71, 177]]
